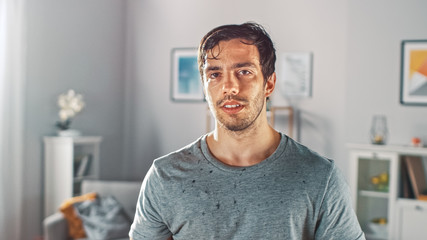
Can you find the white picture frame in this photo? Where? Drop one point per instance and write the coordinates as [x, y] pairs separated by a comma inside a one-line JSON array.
[[295, 74], [413, 83], [185, 81]]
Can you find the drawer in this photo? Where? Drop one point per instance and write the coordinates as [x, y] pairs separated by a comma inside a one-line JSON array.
[[412, 219]]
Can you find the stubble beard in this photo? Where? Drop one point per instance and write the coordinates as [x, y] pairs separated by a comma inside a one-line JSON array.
[[234, 123]]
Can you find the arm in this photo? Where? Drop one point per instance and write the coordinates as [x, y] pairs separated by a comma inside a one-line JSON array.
[[148, 222], [337, 219]]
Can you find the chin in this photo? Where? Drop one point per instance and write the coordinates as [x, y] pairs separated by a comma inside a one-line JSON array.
[[236, 127]]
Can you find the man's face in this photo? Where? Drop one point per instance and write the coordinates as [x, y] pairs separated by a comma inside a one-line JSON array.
[[234, 84]]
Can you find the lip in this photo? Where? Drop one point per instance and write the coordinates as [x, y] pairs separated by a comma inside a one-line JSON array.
[[232, 107]]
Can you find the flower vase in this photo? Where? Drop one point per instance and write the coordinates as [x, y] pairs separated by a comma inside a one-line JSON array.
[[69, 133]]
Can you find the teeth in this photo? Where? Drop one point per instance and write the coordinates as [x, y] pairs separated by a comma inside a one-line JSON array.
[[232, 106]]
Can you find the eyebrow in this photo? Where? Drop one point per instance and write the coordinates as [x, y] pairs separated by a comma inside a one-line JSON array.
[[244, 64], [213, 68], [234, 66]]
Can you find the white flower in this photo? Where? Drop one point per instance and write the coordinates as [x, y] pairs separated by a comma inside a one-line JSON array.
[[62, 102], [70, 104], [65, 114]]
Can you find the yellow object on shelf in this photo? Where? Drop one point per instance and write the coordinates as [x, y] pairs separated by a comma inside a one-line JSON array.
[[380, 182], [380, 220]]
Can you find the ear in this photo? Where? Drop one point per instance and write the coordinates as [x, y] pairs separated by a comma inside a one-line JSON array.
[[270, 85]]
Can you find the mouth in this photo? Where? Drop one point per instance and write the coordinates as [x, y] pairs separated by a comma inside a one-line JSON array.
[[232, 107]]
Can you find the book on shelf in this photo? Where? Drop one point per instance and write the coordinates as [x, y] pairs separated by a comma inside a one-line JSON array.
[[82, 166], [416, 175], [405, 187]]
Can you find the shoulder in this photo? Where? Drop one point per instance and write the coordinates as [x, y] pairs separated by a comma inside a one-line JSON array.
[[308, 166], [181, 154], [171, 163], [303, 156]]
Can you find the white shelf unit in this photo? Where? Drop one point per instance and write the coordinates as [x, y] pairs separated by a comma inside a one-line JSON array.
[[411, 219], [62, 160], [368, 161]]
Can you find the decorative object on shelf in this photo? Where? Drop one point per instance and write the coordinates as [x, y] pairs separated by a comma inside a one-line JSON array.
[[83, 166], [416, 142], [185, 83], [69, 133], [407, 191], [415, 167], [70, 104], [413, 83], [296, 74], [379, 129], [378, 227], [380, 182]]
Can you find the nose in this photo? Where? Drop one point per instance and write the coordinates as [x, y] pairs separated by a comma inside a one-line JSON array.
[[230, 84]]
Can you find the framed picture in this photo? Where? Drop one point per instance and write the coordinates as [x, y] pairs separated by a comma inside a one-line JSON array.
[[185, 84], [295, 78], [413, 80]]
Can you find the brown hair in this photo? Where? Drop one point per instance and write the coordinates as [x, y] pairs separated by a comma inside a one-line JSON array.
[[252, 33]]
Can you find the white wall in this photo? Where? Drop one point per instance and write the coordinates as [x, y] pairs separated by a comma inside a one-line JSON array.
[[79, 45], [157, 125], [376, 29], [356, 73]]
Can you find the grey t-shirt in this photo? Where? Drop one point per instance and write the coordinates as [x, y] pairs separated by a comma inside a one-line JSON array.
[[293, 194]]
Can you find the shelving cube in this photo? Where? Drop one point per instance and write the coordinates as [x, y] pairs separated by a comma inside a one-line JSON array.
[[406, 218], [370, 202], [60, 161]]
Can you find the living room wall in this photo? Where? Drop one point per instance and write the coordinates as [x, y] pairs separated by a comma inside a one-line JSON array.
[[356, 72], [156, 125], [375, 32], [78, 45]]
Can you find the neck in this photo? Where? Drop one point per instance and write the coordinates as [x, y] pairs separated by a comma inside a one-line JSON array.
[[244, 148]]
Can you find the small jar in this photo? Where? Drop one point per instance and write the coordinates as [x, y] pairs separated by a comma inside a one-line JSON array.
[[379, 129]]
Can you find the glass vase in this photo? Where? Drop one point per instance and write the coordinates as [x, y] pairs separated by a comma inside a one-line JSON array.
[[379, 129]]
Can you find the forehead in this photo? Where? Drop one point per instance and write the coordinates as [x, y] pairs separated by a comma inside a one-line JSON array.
[[233, 51]]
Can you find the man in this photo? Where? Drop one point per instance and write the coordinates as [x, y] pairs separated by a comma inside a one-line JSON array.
[[244, 180]]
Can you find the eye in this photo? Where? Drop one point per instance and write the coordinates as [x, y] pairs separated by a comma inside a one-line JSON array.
[[214, 75], [244, 72]]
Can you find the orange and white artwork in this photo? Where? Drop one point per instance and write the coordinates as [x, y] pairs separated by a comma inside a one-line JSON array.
[[414, 72]]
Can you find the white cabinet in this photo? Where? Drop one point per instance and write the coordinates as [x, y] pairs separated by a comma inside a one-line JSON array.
[[412, 219], [374, 202], [377, 192], [67, 161]]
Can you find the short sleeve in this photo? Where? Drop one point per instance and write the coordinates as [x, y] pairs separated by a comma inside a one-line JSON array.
[[337, 219], [148, 222]]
